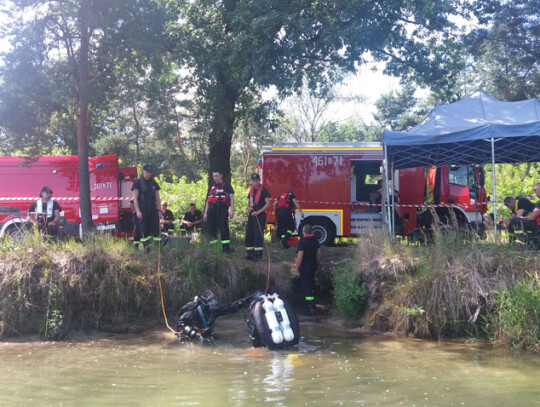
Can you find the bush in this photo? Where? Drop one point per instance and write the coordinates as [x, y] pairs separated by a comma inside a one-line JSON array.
[[349, 296], [517, 316]]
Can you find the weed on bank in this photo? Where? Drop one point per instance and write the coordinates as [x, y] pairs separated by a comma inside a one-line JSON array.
[[52, 288], [452, 288]]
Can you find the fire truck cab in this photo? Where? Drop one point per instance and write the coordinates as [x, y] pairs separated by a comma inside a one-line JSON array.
[[343, 191]]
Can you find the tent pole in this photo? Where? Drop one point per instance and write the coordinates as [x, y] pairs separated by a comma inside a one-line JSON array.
[[494, 187], [386, 207], [392, 202]]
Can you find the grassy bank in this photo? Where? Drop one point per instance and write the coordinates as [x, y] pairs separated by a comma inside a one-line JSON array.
[[103, 284], [452, 289]]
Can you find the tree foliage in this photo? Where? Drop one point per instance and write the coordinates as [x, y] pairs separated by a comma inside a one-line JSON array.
[[504, 52], [231, 47]]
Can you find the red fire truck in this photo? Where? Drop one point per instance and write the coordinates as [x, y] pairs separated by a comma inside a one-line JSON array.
[[342, 188], [23, 178]]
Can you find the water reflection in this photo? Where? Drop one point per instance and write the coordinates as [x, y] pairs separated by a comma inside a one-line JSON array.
[[279, 380], [333, 368]]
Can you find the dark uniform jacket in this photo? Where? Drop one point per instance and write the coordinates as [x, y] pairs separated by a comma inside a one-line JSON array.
[[147, 194]]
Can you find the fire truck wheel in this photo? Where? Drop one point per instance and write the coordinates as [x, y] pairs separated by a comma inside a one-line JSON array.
[[323, 230]]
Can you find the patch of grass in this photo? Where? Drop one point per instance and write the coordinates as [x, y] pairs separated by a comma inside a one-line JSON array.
[[349, 295], [516, 318], [456, 282]]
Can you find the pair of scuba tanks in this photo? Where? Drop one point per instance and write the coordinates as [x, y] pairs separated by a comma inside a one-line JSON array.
[[275, 322]]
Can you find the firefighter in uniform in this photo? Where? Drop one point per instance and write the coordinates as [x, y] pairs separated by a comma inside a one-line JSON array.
[[285, 207], [147, 207], [258, 203], [219, 208], [308, 260]]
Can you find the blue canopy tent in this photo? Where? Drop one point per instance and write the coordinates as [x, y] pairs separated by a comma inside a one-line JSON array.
[[476, 130]]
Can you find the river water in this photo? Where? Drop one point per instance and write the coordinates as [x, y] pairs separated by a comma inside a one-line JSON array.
[[331, 367]]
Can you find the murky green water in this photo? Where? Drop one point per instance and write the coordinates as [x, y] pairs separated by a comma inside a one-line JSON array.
[[329, 369]]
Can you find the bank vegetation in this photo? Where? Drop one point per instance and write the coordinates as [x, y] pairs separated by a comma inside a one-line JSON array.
[[450, 289], [56, 288]]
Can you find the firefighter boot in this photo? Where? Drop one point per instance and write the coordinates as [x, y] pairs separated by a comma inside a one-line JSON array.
[[284, 241], [311, 311], [249, 254], [257, 256]]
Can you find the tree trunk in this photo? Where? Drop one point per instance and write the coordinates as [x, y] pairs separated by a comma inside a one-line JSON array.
[[220, 138], [137, 129], [82, 123], [247, 147]]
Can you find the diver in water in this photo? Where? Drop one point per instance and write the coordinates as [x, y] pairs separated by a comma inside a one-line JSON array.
[[196, 319]]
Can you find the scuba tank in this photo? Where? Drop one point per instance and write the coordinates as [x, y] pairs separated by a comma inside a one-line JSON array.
[[285, 324], [271, 319]]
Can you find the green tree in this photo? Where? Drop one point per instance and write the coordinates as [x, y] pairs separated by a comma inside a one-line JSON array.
[[68, 49], [234, 46], [504, 53], [350, 132], [399, 111]]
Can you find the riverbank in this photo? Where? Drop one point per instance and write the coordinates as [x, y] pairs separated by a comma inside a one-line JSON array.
[[451, 289], [445, 290], [56, 289]]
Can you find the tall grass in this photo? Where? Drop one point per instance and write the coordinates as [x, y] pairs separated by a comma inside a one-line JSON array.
[[350, 296], [52, 288], [516, 318], [438, 290]]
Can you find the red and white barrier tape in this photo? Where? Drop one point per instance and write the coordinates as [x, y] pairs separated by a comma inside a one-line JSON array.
[[128, 198]]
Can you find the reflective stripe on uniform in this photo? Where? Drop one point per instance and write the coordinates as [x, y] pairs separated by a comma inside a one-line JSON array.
[[310, 298], [225, 241], [213, 241]]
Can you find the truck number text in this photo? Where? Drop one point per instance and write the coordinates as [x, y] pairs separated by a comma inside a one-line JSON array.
[[102, 185], [325, 160]]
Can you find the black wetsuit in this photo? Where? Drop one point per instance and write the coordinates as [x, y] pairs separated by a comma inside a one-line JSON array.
[[197, 320], [310, 246]]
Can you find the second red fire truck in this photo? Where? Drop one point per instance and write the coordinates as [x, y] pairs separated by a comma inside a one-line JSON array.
[[342, 189]]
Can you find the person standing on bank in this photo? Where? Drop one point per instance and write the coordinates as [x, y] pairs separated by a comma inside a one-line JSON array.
[[218, 209], [258, 202], [147, 207], [45, 213], [308, 260], [285, 207]]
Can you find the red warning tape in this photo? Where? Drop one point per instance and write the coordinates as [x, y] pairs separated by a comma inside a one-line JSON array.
[[128, 198]]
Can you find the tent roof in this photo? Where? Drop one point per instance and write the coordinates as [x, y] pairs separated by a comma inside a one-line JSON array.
[[461, 132]]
